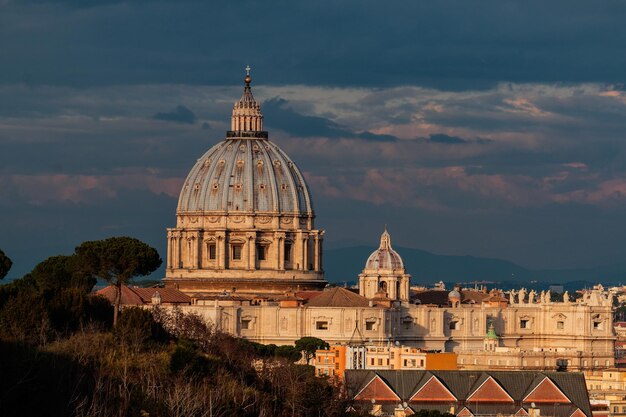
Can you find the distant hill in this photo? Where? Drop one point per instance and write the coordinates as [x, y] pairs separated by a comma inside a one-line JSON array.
[[345, 264]]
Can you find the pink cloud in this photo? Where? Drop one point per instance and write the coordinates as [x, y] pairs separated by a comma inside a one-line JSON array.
[[39, 189]]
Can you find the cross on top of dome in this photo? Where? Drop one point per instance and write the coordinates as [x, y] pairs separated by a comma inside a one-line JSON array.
[[248, 77]]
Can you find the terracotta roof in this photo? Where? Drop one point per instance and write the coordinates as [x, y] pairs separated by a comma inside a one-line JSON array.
[[168, 295], [308, 295], [140, 296], [463, 383], [338, 297]]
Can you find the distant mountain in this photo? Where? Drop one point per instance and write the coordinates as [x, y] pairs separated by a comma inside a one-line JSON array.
[[345, 264]]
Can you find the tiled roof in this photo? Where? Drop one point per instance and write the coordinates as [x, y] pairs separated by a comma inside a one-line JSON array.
[[338, 297], [168, 295], [462, 383], [140, 296]]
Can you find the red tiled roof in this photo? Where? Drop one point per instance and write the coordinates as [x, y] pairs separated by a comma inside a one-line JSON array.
[[308, 295], [140, 296], [168, 295], [338, 297]]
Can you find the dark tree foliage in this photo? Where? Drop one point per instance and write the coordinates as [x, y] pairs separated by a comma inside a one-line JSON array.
[[309, 345], [188, 359], [49, 301], [58, 272], [117, 260], [137, 326], [5, 264], [290, 353]]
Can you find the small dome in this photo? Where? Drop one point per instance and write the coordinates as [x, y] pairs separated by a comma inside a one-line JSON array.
[[384, 257], [454, 294]]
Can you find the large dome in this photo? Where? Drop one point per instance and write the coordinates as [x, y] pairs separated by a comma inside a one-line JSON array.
[[244, 221], [245, 175]]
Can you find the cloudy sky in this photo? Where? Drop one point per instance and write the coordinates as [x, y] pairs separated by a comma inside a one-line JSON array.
[[489, 128]]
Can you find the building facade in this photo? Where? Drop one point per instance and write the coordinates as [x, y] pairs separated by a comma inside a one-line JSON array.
[[246, 251], [334, 361]]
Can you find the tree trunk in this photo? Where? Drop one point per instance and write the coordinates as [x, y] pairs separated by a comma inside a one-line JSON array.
[[118, 297]]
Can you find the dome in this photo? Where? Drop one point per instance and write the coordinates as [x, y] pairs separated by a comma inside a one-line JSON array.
[[244, 220], [246, 173], [454, 294], [384, 257]]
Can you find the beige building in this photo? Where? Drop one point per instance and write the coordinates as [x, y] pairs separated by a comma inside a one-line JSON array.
[[608, 386], [245, 219], [246, 251]]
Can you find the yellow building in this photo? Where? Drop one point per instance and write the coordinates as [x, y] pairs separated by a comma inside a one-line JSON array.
[[608, 385]]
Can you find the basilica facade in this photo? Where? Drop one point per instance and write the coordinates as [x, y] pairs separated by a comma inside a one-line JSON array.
[[246, 252]]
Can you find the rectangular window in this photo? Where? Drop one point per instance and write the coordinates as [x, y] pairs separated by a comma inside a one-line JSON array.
[[369, 325], [560, 325], [321, 325], [212, 252], [380, 362], [261, 252], [246, 324], [237, 252], [524, 324], [287, 252]]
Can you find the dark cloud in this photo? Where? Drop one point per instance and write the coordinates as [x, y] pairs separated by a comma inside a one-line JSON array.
[[180, 114], [446, 139], [280, 116], [448, 44]]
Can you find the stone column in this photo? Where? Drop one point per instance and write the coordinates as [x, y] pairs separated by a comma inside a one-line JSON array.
[[195, 250], [316, 255], [280, 252], [251, 252], [220, 249], [391, 288], [305, 253], [177, 242], [169, 250]]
